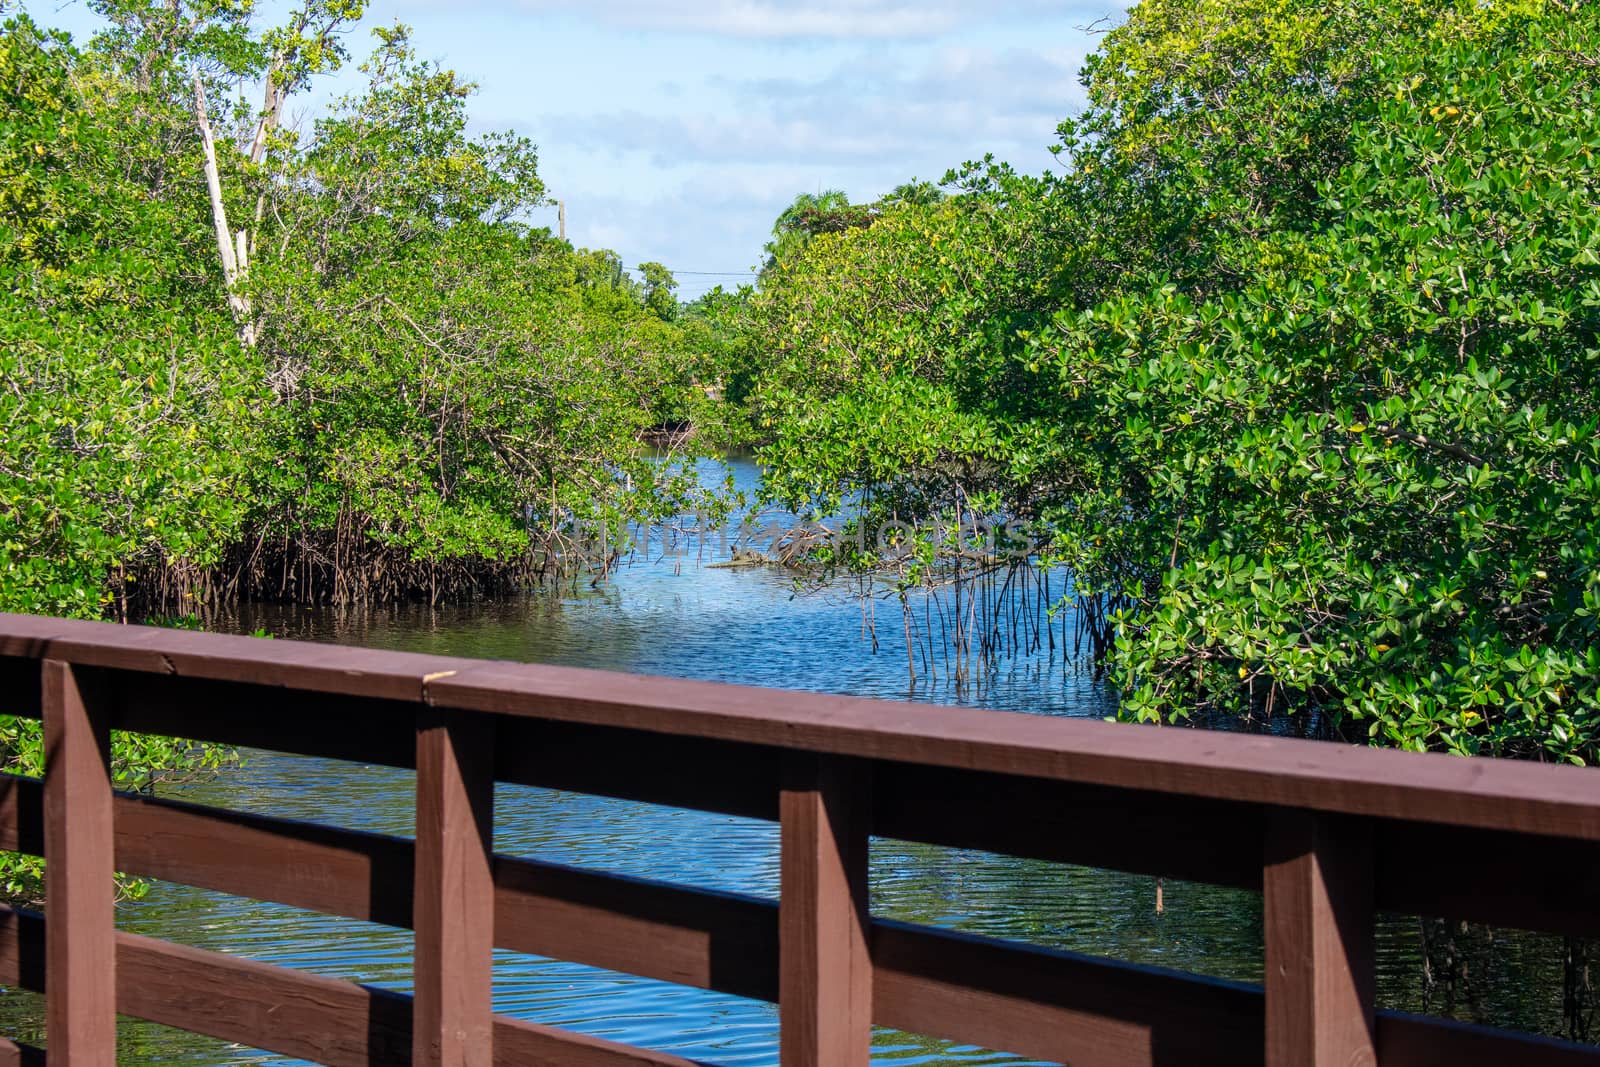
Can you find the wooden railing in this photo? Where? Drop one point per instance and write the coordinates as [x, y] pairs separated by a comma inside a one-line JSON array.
[[1329, 833]]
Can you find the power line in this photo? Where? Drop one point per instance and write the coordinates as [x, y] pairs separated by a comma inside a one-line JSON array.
[[708, 273]]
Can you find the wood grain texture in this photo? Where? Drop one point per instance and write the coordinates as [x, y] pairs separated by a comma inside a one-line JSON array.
[[324, 868], [1325, 776], [80, 991], [824, 970], [454, 891], [263, 1006], [1318, 923], [712, 940], [1321, 776], [283, 665]]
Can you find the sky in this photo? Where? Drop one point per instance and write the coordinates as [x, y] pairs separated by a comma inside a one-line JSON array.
[[677, 131]]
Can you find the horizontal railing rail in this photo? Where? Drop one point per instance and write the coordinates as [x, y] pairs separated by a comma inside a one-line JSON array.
[[1329, 834]]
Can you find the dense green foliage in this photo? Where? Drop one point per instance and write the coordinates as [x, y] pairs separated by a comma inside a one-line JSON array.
[[1296, 366], [124, 399], [438, 368], [330, 367], [811, 214], [390, 386]]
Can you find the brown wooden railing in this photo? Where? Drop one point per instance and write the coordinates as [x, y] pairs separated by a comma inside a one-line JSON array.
[[1329, 834]]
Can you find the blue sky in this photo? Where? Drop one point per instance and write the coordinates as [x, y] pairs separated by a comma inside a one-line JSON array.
[[677, 131]]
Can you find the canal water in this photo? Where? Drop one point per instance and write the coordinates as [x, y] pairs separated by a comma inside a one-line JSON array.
[[673, 615]]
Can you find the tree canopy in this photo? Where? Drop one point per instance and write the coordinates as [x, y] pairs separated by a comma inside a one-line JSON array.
[[330, 364], [1291, 365], [1295, 365], [327, 365]]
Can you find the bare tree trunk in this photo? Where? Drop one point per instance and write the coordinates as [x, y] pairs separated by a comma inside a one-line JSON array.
[[233, 254], [271, 111], [271, 116]]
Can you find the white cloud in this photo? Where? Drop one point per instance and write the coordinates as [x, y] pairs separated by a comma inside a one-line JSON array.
[[963, 100], [677, 131], [700, 225]]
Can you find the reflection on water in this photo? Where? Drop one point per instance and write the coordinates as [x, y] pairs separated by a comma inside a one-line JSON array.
[[674, 617]]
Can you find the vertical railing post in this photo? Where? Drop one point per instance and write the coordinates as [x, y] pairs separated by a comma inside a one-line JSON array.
[[454, 886], [1318, 920], [825, 973], [80, 891]]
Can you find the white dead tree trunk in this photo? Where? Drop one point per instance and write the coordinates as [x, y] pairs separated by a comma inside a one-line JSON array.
[[234, 252], [237, 249]]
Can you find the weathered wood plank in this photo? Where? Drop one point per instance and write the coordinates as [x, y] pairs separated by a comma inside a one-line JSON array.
[[920, 976], [680, 772], [722, 941], [1322, 776], [454, 890], [824, 970], [324, 868], [1058, 1006], [263, 1006], [306, 1016], [1537, 883], [1064, 822], [1318, 923], [80, 993]]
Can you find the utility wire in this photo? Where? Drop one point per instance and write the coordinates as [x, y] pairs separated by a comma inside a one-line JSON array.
[[710, 273]]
